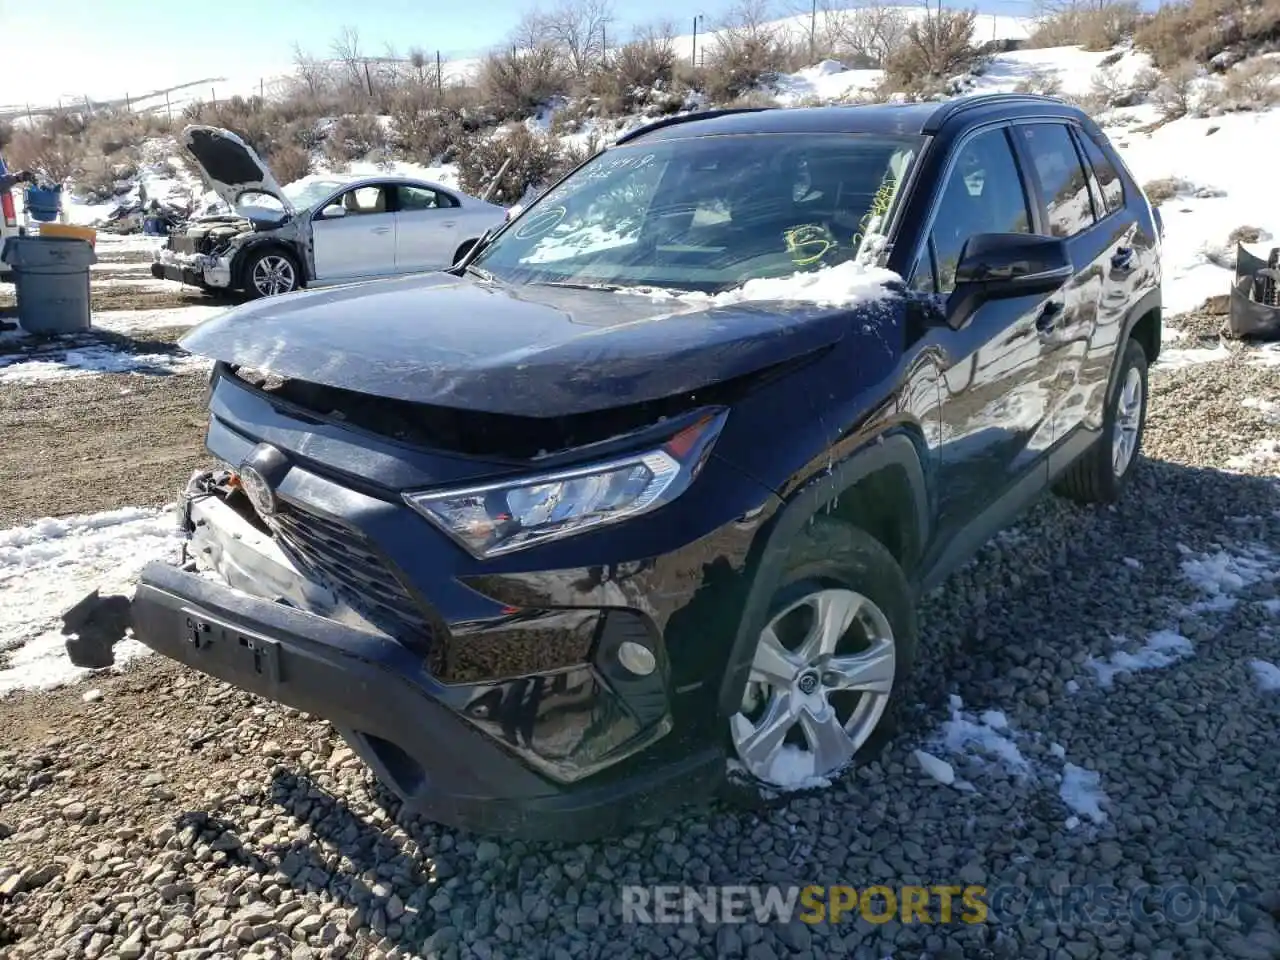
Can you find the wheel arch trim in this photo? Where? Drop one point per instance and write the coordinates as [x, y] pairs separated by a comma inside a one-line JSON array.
[[889, 450]]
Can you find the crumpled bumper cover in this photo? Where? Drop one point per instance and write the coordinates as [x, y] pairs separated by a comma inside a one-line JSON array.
[[375, 692], [196, 269], [248, 621]]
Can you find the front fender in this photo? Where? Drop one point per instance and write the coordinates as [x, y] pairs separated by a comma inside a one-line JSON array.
[[892, 450]]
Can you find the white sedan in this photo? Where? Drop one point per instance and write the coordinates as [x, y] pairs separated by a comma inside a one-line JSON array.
[[318, 231]]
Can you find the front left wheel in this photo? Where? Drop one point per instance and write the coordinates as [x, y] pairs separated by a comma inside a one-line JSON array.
[[829, 664], [269, 273]]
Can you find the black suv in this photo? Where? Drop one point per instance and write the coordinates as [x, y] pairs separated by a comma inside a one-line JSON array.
[[641, 494]]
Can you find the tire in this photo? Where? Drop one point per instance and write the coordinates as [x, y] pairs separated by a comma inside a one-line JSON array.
[[1094, 477], [262, 266], [829, 564], [463, 251]]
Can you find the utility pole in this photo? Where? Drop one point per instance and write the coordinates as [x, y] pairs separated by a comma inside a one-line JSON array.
[[693, 56], [439, 74]]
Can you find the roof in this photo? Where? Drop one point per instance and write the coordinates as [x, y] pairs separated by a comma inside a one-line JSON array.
[[883, 118]]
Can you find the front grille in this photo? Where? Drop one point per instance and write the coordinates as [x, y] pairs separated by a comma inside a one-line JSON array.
[[341, 559]]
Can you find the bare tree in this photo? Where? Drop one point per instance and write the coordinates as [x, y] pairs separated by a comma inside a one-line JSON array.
[[312, 74], [530, 31], [578, 29], [346, 50], [874, 31]]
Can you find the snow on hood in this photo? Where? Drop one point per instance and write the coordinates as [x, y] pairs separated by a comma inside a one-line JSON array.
[[842, 285], [231, 167]]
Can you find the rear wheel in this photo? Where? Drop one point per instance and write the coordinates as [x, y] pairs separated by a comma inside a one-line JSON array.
[[1102, 472], [829, 664], [269, 273]]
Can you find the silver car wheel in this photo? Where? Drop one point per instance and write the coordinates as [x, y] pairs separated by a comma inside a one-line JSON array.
[[273, 274], [1128, 422], [791, 727]]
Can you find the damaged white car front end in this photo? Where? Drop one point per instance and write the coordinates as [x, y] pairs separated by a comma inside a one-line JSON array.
[[198, 269]]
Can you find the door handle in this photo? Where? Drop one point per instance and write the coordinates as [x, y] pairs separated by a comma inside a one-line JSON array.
[[381, 229], [1048, 315], [450, 223], [1122, 259]]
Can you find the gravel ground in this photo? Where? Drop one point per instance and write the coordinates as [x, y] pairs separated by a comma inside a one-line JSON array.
[[170, 816]]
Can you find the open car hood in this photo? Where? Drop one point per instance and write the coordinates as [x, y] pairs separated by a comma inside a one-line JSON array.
[[231, 167], [533, 351]]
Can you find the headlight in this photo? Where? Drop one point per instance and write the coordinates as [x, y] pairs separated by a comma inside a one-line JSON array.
[[502, 517]]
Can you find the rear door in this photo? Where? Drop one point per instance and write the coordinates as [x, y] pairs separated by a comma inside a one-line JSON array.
[[1061, 184], [1125, 262], [354, 235], [426, 228], [996, 380]]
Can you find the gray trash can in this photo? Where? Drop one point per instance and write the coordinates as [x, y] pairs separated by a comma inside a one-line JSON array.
[[51, 275]]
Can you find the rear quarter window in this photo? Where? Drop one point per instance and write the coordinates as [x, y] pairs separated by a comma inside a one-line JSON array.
[[1109, 183]]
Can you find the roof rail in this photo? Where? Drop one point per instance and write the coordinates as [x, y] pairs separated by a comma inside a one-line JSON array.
[[952, 108], [674, 119]]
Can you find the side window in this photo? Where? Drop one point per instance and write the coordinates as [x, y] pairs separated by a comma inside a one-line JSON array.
[[983, 194], [1063, 183], [1104, 170], [422, 198], [365, 200]]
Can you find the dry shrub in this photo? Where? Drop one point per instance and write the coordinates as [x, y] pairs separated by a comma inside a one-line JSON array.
[[1251, 85], [289, 162], [353, 137], [516, 82], [748, 50], [1094, 27], [535, 158], [1040, 82], [1207, 30], [54, 156], [935, 48], [1158, 191], [637, 75], [1174, 95]]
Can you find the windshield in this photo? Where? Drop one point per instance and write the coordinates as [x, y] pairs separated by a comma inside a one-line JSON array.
[[708, 214], [306, 193]]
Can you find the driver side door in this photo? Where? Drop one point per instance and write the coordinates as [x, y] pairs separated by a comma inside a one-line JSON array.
[[354, 235], [998, 370]]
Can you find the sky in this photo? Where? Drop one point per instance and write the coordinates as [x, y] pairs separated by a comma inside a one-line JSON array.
[[109, 48]]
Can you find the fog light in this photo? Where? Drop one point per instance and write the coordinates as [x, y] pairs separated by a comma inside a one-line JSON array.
[[637, 658]]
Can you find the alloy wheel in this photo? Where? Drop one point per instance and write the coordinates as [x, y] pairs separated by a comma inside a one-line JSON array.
[[273, 274], [1128, 422], [818, 686]]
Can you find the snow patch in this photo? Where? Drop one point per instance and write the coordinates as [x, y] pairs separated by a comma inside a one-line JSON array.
[[967, 735], [48, 566], [1081, 791], [86, 361], [839, 286], [1267, 675], [1162, 648], [1222, 575], [936, 767]]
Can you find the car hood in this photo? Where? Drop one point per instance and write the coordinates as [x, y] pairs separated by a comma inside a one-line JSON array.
[[534, 351], [231, 167]]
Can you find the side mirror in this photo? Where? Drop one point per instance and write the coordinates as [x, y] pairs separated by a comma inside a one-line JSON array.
[[1000, 266], [333, 212]]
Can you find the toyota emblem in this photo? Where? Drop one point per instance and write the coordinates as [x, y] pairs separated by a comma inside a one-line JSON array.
[[257, 490]]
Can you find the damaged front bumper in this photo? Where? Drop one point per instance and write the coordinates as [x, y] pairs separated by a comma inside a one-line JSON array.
[[241, 610], [197, 269]]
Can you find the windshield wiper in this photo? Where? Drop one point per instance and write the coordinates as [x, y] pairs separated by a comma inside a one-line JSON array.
[[572, 285], [482, 273]]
